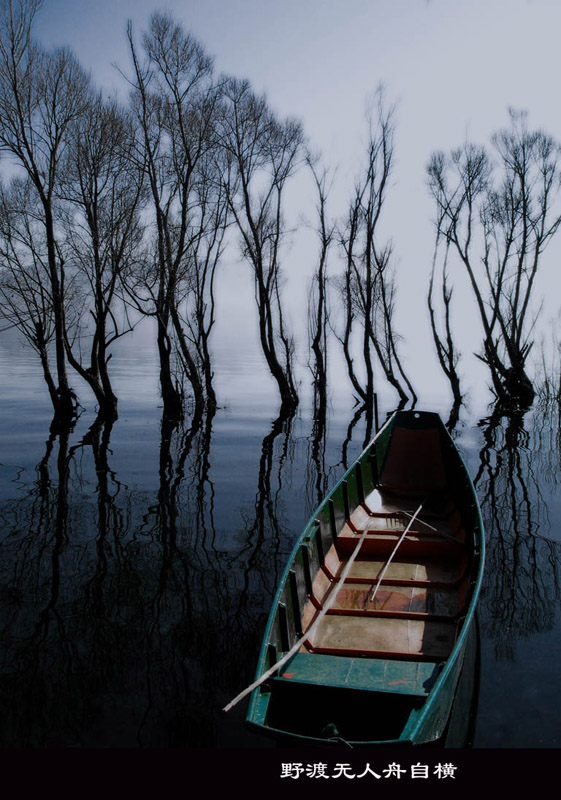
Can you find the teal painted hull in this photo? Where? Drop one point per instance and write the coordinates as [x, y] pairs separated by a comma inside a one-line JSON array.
[[367, 637]]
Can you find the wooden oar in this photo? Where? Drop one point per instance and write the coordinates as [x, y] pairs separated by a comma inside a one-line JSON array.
[[386, 565], [422, 521], [437, 532], [287, 656]]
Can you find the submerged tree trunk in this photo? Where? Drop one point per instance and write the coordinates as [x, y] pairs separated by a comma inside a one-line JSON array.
[[65, 407], [171, 396], [189, 364]]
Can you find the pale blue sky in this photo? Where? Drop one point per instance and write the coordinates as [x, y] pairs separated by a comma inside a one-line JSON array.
[[452, 66]]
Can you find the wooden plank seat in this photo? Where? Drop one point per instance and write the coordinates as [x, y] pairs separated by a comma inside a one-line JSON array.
[[364, 518], [383, 543], [383, 675], [384, 500]]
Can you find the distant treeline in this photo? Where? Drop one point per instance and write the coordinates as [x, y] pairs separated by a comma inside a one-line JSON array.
[[113, 211]]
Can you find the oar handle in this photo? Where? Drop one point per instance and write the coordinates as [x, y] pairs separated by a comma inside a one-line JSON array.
[[294, 649]]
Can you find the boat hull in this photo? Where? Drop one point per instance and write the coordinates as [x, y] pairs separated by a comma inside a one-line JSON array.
[[367, 636]]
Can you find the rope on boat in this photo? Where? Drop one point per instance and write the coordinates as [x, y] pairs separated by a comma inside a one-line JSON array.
[[401, 538], [287, 656]]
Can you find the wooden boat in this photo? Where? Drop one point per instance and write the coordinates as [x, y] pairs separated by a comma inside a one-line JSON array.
[[366, 639]]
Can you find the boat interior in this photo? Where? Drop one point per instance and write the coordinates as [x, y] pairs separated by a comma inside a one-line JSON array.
[[378, 592]]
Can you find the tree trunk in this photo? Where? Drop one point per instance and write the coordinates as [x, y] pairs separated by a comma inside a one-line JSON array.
[[171, 397], [66, 402]]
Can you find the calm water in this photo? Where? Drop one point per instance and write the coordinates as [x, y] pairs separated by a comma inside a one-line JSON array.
[[137, 565]]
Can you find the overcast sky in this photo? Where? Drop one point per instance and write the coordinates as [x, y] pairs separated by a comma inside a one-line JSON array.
[[452, 66]]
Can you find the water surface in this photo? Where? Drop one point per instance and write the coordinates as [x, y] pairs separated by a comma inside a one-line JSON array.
[[138, 564]]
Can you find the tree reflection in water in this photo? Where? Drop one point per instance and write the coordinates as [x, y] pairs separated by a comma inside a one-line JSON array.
[[515, 477], [127, 617]]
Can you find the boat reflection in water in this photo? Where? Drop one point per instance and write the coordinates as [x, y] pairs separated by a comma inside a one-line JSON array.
[[370, 639], [460, 731]]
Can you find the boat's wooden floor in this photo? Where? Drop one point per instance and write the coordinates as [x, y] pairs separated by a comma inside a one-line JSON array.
[[409, 571], [378, 635], [396, 598], [414, 613]]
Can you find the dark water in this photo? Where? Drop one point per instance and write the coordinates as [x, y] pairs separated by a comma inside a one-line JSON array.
[[138, 564]]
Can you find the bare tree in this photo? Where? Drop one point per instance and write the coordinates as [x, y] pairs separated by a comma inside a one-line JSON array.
[[264, 153], [26, 302], [101, 188], [174, 99], [318, 310], [499, 218], [446, 350], [368, 284], [41, 94]]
